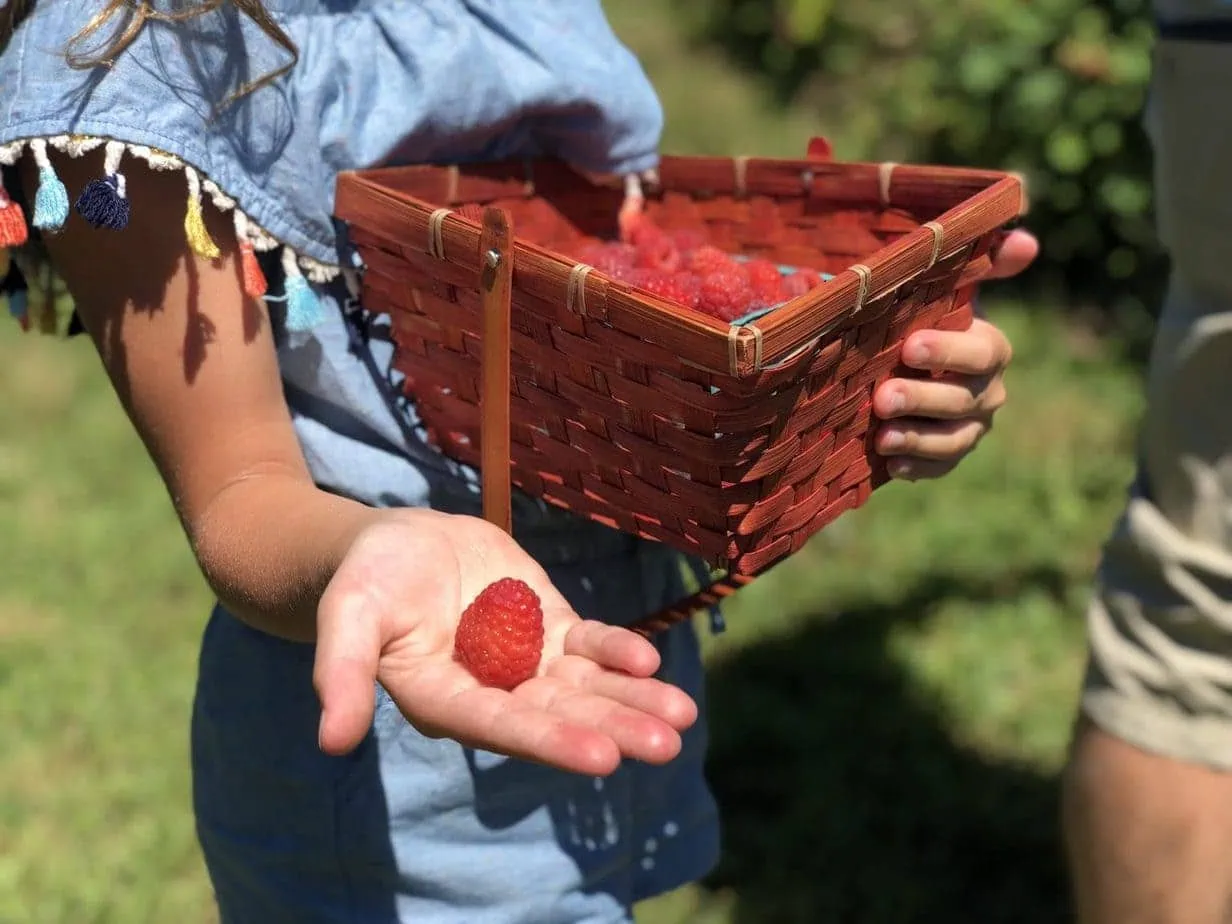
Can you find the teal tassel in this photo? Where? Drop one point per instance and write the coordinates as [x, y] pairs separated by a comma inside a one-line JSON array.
[[50, 201], [304, 310], [303, 307]]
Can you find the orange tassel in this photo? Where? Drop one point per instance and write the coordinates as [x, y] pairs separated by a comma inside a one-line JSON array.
[[13, 231], [255, 284]]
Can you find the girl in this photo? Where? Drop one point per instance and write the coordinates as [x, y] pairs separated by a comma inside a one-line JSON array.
[[178, 166]]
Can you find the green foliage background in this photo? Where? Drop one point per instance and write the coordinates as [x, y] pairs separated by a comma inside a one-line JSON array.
[[1052, 88]]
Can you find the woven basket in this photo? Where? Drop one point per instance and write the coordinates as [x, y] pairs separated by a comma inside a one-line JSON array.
[[735, 444]]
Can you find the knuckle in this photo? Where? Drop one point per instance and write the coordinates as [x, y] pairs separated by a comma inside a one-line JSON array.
[[900, 397], [967, 402]]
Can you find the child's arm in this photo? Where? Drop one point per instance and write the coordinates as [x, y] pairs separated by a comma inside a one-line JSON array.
[[381, 590], [193, 362]]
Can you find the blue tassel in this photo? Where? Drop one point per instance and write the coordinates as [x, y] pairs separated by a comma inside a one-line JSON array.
[[50, 201], [303, 307], [718, 625], [103, 204]]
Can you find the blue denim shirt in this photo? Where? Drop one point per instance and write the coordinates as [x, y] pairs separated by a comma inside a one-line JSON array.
[[377, 82]]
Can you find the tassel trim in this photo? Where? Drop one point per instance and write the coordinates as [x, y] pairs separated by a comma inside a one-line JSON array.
[[105, 205], [303, 306], [51, 199], [13, 232], [194, 221]]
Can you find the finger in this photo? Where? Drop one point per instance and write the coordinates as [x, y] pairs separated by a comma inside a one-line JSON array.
[[980, 350], [946, 440], [636, 734], [344, 672], [1016, 253], [613, 647], [507, 723], [668, 703], [967, 396], [904, 468]]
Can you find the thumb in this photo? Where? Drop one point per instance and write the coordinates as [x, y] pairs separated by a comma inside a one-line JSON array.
[[344, 674]]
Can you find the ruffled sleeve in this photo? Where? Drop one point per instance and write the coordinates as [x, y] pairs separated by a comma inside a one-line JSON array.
[[382, 82]]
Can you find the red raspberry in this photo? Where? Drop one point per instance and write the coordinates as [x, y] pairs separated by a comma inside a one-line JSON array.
[[612, 259], [500, 636], [726, 295], [766, 282], [687, 240], [681, 288], [707, 259], [657, 253], [799, 282], [639, 230]]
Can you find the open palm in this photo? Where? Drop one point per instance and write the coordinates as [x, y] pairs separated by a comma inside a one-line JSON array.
[[390, 613]]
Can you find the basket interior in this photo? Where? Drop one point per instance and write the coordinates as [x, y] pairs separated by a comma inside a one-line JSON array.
[[559, 209]]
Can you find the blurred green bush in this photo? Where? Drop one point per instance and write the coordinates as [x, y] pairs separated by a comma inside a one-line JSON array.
[[1052, 88]]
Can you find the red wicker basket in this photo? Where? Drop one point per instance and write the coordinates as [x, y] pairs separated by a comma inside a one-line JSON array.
[[735, 444]]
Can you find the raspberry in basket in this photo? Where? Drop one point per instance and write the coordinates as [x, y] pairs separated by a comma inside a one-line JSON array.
[[707, 259], [687, 240], [500, 635], [612, 259], [657, 252], [681, 288], [766, 282], [726, 294], [639, 230], [799, 282]]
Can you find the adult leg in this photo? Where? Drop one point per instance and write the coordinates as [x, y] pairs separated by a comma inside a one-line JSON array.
[[1148, 790]]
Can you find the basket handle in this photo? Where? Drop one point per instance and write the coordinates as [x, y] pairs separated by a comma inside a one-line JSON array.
[[496, 284], [820, 149], [684, 609]]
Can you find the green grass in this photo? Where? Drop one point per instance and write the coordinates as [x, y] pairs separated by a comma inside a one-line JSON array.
[[889, 708]]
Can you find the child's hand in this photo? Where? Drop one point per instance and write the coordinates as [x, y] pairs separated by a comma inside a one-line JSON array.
[[932, 424], [390, 613]]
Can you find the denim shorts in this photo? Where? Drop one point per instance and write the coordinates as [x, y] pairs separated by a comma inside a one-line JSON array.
[[409, 828]]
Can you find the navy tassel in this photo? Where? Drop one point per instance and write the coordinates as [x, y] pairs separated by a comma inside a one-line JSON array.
[[103, 206], [104, 203]]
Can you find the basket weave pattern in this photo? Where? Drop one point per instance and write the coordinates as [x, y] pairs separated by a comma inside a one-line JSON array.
[[734, 444]]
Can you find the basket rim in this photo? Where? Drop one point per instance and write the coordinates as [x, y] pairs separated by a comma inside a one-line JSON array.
[[988, 201]]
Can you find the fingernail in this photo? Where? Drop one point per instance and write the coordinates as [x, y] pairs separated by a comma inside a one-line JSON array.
[[916, 353], [893, 440], [898, 403]]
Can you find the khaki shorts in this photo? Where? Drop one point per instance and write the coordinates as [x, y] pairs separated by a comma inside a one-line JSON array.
[[1160, 623]]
